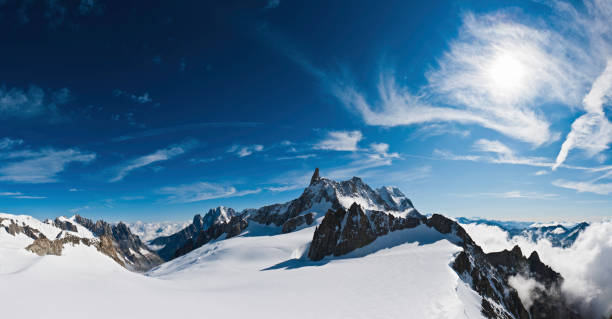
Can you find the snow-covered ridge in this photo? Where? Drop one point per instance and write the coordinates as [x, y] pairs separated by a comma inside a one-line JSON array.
[[320, 196], [50, 237]]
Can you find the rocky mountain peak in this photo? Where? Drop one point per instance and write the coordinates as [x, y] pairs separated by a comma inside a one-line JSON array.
[[315, 177], [517, 250], [534, 258]]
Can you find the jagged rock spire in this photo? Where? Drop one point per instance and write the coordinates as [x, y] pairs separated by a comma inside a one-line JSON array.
[[315, 176]]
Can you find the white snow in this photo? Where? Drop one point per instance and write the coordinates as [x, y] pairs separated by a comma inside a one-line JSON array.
[[49, 230], [255, 275]]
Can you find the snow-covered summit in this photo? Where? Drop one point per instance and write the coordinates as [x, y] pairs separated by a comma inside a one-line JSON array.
[[217, 215], [321, 195]]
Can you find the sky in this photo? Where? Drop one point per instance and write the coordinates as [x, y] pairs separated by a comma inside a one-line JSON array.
[[157, 110]]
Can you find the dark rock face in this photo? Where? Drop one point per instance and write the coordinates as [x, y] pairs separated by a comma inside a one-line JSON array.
[[175, 241], [320, 194], [315, 177], [548, 302], [188, 236], [64, 225], [127, 246], [14, 229], [489, 275], [293, 223], [342, 231], [235, 226], [325, 190]]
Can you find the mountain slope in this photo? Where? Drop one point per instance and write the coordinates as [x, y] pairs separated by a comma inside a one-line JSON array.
[[51, 237], [321, 195]]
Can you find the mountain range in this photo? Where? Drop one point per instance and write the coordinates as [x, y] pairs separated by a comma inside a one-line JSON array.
[[338, 246]]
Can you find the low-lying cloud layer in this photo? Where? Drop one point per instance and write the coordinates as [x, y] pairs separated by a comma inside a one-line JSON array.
[[585, 265]]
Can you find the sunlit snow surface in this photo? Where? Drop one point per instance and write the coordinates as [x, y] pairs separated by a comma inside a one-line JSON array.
[[402, 275]]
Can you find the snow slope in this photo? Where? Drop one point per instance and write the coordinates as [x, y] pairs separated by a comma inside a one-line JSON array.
[[396, 276], [254, 275]]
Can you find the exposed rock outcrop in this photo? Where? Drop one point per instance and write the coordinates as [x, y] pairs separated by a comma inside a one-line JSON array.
[[64, 225], [43, 246], [293, 223], [14, 229], [127, 246], [187, 236], [343, 231], [231, 228]]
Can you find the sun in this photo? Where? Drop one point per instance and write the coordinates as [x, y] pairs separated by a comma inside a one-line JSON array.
[[506, 73]]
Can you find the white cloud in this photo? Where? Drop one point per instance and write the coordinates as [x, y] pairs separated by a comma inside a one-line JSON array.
[[541, 172], [585, 266], [76, 210], [526, 287], [502, 155], [381, 148], [39, 166], [592, 131], [521, 194], [19, 195], [245, 150], [158, 156], [438, 129], [340, 141], [302, 156], [585, 186], [285, 188], [496, 147], [196, 192], [496, 74], [33, 102], [8, 143]]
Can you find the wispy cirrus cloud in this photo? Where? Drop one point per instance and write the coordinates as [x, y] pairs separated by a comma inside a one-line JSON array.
[[8, 143], [158, 156], [43, 166], [439, 129], [200, 191], [495, 74], [20, 195], [591, 132], [521, 194], [585, 186], [184, 127], [245, 150], [500, 72], [495, 152]]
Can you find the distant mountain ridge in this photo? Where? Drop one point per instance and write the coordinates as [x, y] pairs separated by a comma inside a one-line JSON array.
[[559, 234]]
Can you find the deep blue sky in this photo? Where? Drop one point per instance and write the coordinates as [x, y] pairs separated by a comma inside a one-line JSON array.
[[157, 110]]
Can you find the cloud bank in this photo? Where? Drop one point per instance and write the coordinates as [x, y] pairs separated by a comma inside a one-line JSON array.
[[585, 265]]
